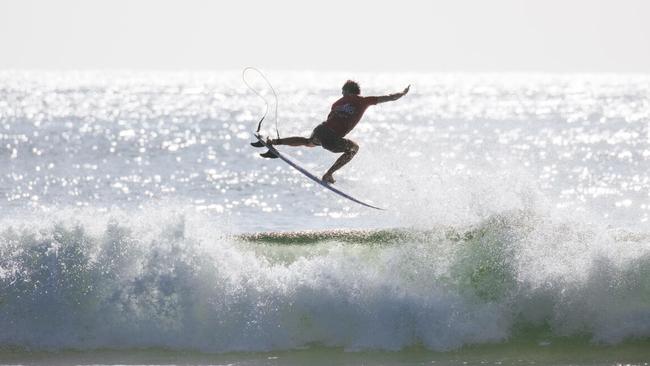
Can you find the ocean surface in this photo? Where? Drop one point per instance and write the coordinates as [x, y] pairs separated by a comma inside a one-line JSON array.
[[137, 224]]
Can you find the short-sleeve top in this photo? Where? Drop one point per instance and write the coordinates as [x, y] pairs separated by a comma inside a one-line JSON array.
[[346, 113]]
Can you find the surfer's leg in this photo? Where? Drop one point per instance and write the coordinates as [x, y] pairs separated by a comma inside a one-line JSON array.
[[293, 141], [351, 149]]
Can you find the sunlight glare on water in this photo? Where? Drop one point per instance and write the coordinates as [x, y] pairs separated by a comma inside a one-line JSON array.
[[101, 140]]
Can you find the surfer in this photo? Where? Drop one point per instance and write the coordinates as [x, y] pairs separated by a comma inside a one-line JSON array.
[[343, 117]]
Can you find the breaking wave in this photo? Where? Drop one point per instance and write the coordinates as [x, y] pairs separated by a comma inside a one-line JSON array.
[[179, 282]]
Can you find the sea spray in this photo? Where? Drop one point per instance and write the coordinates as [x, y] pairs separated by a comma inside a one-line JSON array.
[[173, 287]]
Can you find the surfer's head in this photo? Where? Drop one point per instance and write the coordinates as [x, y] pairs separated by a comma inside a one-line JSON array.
[[351, 87]]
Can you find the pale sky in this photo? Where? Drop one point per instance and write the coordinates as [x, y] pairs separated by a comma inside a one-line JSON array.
[[336, 35]]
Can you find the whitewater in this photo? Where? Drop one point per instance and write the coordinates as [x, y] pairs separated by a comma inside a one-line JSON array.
[[134, 215]]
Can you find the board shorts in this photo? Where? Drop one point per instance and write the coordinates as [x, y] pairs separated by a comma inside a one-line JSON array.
[[325, 137]]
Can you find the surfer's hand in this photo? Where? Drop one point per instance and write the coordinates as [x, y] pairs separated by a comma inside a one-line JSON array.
[[406, 90]]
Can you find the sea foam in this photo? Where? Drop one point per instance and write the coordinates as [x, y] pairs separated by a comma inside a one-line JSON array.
[[175, 283]]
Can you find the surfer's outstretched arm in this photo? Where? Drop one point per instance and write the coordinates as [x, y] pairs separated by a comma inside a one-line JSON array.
[[392, 97]]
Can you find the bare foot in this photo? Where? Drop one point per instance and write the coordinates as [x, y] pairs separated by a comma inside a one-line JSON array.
[[329, 178]]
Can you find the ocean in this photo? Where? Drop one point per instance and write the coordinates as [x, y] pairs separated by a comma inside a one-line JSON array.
[[138, 226]]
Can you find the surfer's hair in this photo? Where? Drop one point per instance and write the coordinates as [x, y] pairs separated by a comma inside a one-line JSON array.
[[352, 87]]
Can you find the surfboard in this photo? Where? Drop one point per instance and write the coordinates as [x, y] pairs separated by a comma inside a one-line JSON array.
[[311, 176]]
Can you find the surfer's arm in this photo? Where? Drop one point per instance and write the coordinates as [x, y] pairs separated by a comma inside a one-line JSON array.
[[392, 97]]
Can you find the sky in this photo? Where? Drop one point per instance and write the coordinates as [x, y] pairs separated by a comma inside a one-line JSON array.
[[331, 35]]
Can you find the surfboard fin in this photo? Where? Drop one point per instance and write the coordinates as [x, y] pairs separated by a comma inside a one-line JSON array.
[[257, 144], [269, 155]]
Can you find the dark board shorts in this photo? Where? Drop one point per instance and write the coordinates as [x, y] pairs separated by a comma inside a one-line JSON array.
[[325, 137]]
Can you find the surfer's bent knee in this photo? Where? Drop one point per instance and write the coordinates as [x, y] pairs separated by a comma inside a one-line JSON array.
[[352, 148]]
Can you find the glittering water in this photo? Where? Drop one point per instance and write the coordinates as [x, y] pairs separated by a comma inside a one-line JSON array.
[[466, 143]]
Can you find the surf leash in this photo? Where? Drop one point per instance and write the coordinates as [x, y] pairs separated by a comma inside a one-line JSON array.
[[266, 102]]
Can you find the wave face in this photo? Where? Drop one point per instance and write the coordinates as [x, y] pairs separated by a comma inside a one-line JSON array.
[[177, 284]]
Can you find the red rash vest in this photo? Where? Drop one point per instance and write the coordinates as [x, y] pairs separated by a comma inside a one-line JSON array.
[[346, 113]]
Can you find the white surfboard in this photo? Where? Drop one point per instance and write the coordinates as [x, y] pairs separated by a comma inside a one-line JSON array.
[[309, 175]]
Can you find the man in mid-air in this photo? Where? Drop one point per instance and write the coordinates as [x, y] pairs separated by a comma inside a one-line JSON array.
[[344, 116]]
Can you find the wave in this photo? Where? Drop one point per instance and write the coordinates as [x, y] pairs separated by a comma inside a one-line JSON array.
[[176, 282]]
